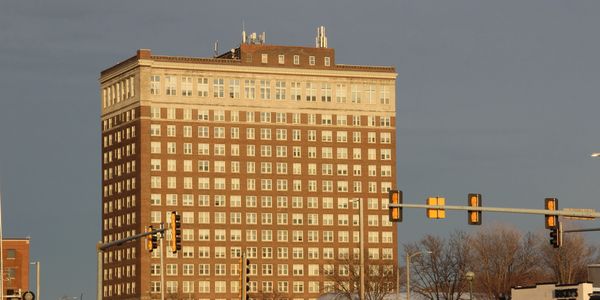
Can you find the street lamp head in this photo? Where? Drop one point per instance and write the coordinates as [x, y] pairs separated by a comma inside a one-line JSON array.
[[470, 276], [597, 154]]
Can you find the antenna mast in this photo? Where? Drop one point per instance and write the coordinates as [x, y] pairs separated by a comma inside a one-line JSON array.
[[244, 37], [321, 39]]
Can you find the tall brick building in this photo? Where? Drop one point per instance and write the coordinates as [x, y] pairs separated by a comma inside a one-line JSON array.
[[261, 150]]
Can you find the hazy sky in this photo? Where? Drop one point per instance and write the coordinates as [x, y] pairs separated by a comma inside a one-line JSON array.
[[495, 97]]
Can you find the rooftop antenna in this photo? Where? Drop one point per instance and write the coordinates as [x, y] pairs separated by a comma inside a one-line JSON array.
[[216, 49], [243, 32], [262, 38], [321, 39]]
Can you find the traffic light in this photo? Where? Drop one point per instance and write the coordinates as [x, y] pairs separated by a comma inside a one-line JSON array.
[[395, 212], [244, 277], [435, 213], [551, 204], [175, 232], [556, 236], [151, 240], [474, 215]]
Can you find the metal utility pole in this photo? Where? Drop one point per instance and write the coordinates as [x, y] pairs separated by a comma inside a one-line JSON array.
[[37, 279], [398, 281], [361, 240], [162, 265], [362, 249], [408, 257], [407, 276]]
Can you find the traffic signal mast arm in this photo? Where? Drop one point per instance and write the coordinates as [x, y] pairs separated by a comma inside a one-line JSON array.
[[503, 210], [105, 246]]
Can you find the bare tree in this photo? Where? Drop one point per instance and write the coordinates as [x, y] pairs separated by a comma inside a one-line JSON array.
[[440, 275], [345, 275], [503, 258], [567, 264]]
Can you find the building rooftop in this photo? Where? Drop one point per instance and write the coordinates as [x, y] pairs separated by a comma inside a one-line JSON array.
[[256, 53]]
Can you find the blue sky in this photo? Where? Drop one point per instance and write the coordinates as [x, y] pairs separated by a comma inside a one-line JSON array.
[[494, 97]]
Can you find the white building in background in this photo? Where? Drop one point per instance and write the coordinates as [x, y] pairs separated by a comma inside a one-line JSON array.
[[551, 291]]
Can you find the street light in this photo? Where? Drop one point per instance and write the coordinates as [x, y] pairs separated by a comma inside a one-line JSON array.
[[470, 276], [37, 279], [597, 154], [408, 257], [362, 247]]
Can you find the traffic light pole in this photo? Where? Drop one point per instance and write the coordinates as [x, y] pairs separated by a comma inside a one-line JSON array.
[[565, 213], [102, 247], [162, 263]]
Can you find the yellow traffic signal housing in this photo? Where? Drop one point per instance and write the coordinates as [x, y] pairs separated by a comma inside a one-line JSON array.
[[435, 213], [395, 212], [175, 232], [474, 200], [551, 204], [556, 236], [149, 244]]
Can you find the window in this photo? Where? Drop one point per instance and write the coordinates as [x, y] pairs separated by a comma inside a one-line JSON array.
[[385, 137], [386, 154], [326, 136], [11, 254], [203, 115], [187, 148], [265, 117], [155, 165], [311, 92], [281, 59], [311, 60], [384, 95], [326, 92], [234, 88], [340, 93], [186, 86], [296, 92], [171, 130], [203, 132], [203, 149], [249, 91], [155, 85], [218, 88], [265, 89], [202, 87], [370, 91], [327, 61], [296, 59], [264, 58], [218, 115], [171, 85], [280, 90], [219, 132], [355, 93]]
